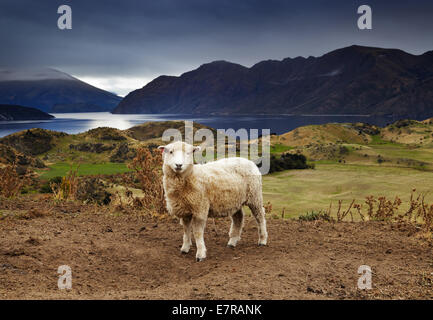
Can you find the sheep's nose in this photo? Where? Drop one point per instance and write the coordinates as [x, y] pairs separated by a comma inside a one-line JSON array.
[[178, 166]]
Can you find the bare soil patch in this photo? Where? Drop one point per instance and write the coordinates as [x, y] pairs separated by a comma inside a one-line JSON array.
[[131, 257]]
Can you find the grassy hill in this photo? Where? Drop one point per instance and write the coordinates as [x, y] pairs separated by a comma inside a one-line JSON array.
[[406, 143], [324, 134], [351, 161], [97, 151], [10, 155]]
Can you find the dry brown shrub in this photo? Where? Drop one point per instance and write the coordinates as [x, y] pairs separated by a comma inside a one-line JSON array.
[[425, 213], [147, 168], [11, 182], [386, 209], [268, 208], [383, 209], [370, 201], [67, 189], [380, 209], [342, 214], [419, 212], [358, 208], [414, 204], [93, 189]]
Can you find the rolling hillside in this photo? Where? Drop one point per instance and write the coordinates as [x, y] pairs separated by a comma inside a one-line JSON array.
[[95, 149], [405, 143]]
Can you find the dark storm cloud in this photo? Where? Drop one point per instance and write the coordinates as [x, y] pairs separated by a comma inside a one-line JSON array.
[[147, 38]]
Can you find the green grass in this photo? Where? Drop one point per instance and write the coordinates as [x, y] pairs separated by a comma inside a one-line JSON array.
[[279, 148], [60, 169], [377, 139], [398, 151], [63, 153], [302, 191]]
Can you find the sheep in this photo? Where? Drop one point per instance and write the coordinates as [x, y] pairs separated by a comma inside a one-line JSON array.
[[194, 192]]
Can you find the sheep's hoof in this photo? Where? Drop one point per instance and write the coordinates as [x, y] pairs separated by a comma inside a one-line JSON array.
[[230, 246], [184, 251], [262, 245], [199, 259]]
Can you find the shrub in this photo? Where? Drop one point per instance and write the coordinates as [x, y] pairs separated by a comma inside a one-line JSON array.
[[268, 207], [123, 153], [383, 209], [315, 215], [46, 187], [404, 123], [343, 150], [147, 167], [67, 189], [288, 161], [11, 182], [92, 189], [386, 209]]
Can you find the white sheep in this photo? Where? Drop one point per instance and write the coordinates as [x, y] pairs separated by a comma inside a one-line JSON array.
[[194, 192]]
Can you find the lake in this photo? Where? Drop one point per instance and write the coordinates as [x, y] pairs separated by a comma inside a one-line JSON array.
[[80, 122]]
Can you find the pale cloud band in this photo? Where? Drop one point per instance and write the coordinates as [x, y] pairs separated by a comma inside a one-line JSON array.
[[116, 84]]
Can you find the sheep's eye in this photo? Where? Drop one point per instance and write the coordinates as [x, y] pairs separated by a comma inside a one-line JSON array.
[[171, 152]]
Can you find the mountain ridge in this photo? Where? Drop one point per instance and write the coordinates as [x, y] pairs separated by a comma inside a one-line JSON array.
[[350, 80], [46, 88]]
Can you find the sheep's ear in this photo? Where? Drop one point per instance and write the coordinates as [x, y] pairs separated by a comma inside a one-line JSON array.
[[198, 148], [161, 148]]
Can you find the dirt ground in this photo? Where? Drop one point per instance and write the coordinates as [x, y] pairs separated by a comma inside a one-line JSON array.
[[129, 257]]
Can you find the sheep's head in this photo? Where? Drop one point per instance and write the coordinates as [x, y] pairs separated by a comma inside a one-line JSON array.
[[178, 156]]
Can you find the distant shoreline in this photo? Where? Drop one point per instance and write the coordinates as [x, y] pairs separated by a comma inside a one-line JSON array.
[[18, 113], [73, 123]]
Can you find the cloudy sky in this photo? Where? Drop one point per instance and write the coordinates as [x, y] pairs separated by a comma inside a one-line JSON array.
[[120, 45]]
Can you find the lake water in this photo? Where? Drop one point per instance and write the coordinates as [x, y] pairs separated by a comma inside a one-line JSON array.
[[80, 122]]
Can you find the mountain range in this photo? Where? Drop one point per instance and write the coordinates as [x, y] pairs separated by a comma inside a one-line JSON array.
[[51, 90], [351, 80]]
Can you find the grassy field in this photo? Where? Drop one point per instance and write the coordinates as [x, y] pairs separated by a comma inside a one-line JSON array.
[[379, 168], [279, 148], [299, 191], [60, 169], [352, 161]]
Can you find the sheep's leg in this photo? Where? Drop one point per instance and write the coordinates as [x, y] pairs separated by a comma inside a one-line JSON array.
[[236, 228], [187, 242], [198, 226], [259, 214]]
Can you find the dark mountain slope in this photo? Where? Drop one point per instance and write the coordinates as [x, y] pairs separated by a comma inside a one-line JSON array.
[[12, 112], [53, 91], [352, 80]]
